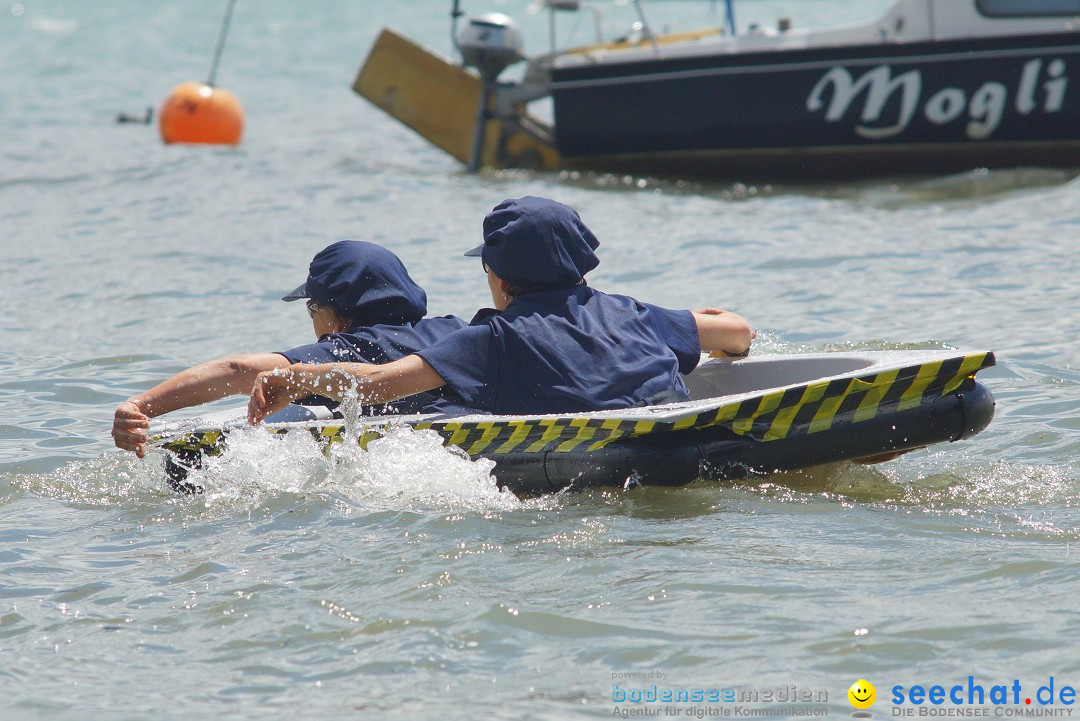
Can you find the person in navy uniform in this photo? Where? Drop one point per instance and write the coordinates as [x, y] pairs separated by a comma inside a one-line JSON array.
[[364, 308], [552, 344]]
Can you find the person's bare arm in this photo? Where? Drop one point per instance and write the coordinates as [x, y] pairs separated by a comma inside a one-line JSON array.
[[721, 330], [199, 384], [273, 390]]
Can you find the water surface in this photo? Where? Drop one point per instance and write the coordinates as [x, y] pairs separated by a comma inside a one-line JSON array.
[[401, 583]]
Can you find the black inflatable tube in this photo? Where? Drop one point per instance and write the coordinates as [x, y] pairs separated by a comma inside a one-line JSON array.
[[668, 459], [677, 458]]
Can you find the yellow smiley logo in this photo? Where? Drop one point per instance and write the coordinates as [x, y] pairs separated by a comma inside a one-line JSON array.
[[862, 694]]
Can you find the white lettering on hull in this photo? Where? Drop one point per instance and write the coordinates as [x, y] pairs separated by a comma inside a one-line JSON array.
[[984, 109]]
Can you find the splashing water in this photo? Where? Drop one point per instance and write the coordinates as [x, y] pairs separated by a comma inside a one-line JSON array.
[[402, 469], [405, 469], [102, 482]]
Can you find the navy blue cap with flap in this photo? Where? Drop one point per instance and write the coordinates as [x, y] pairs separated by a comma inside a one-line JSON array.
[[537, 241], [364, 281]]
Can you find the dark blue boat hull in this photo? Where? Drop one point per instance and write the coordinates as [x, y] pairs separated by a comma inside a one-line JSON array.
[[861, 110]]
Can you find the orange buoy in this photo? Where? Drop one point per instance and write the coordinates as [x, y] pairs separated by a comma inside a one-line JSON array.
[[200, 113]]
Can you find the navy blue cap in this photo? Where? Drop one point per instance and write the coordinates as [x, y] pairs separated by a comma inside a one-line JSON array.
[[537, 241], [364, 281]]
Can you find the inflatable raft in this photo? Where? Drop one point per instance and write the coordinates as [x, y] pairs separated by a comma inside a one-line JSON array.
[[747, 416]]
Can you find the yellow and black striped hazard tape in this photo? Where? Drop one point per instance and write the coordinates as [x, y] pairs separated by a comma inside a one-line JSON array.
[[800, 410]]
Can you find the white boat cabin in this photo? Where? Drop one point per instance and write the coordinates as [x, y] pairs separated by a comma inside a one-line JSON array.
[[906, 22]]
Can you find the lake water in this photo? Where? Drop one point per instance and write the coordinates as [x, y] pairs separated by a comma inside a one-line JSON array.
[[400, 583]]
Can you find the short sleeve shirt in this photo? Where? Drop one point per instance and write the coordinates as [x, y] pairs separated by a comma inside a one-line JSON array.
[[567, 350], [383, 344]]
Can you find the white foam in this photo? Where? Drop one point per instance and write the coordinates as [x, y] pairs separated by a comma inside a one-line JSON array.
[[404, 469]]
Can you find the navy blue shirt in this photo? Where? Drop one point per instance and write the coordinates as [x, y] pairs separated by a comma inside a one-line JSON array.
[[567, 350], [383, 344]]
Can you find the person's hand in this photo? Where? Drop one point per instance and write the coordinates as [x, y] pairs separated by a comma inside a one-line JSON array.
[[272, 391], [129, 428], [719, 311], [722, 333]]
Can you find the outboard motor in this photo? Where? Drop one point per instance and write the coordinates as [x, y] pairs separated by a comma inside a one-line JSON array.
[[490, 43]]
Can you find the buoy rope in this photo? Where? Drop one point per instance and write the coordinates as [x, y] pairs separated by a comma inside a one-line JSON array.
[[220, 42]]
